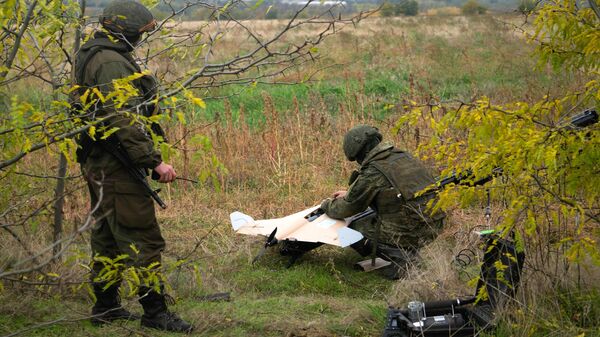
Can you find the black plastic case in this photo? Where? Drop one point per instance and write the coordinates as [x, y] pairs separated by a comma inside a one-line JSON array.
[[466, 317]]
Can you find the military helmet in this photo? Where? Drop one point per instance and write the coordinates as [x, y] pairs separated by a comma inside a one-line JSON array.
[[127, 17], [359, 140]]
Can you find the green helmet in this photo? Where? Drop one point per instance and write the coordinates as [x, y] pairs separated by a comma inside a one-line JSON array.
[[127, 17], [359, 140]]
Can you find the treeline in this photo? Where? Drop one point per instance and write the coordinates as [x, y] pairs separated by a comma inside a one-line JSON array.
[[268, 9], [404, 7], [277, 9], [261, 9]]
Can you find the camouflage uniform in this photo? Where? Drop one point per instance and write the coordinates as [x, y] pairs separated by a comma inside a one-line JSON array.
[[387, 182], [125, 215]]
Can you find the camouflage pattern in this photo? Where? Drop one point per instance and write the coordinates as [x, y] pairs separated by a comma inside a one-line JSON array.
[[387, 181], [359, 140], [126, 214], [113, 62], [125, 217], [127, 17]]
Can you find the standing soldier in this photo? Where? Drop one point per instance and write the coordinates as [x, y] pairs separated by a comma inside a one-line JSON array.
[[126, 221], [387, 181]]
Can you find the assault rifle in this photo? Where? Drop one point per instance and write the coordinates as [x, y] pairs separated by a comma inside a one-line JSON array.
[[579, 121], [113, 146], [463, 179], [586, 118]]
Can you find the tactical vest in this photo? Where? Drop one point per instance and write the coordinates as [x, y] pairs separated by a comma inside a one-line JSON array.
[[403, 218], [147, 85], [406, 175]]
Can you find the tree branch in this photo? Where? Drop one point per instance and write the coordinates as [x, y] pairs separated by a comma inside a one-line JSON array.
[[13, 53]]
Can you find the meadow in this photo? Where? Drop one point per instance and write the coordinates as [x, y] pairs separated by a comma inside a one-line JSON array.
[[276, 149]]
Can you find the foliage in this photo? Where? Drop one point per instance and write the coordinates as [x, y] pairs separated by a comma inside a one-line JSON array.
[[410, 8], [569, 38], [405, 7], [527, 6], [38, 47], [472, 7], [550, 168], [388, 9]]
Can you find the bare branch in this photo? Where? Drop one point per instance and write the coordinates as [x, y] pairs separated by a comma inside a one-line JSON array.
[[17, 44], [51, 140], [67, 242]]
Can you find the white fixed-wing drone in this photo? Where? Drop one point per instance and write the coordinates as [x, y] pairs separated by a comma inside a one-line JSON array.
[[309, 225]]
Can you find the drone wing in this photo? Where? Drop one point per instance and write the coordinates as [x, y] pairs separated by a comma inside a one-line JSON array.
[[245, 224], [296, 227], [326, 230]]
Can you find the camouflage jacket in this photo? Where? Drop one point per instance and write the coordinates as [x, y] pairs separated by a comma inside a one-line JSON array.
[[111, 60], [387, 182]]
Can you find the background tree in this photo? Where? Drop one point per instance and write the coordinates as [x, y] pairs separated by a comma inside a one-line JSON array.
[[548, 192], [37, 128], [408, 8], [396, 8], [388, 9], [473, 7]]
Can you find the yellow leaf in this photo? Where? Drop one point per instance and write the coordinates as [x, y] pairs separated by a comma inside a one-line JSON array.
[[107, 134], [180, 117], [135, 277], [195, 100], [134, 248], [99, 95], [92, 132]]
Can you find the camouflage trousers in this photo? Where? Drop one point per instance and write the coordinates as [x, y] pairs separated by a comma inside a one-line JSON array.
[[125, 221], [402, 256]]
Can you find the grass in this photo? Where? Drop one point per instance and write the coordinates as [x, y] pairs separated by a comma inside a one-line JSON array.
[[322, 295], [281, 146]]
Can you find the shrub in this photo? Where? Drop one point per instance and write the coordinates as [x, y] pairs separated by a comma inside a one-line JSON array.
[[409, 8], [387, 9], [527, 6], [472, 7]]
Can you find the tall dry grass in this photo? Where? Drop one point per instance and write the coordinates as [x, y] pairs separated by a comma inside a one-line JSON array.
[[292, 159]]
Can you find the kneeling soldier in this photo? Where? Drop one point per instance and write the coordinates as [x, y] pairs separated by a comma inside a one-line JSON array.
[[386, 181]]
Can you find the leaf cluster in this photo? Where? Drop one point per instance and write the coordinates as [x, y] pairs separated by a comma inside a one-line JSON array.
[[550, 168]]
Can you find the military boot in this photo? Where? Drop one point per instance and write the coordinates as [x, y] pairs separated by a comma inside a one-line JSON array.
[[402, 259], [108, 306], [157, 316]]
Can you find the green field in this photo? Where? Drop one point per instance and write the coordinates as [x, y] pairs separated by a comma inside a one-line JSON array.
[[281, 147]]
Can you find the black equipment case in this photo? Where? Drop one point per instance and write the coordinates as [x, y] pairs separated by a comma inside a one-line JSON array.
[[498, 282]]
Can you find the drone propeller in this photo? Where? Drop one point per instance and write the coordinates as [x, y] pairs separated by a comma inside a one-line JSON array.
[[271, 241]]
